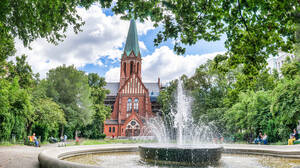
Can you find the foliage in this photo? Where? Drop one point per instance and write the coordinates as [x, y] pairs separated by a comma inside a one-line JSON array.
[[286, 106], [240, 107], [47, 115], [69, 88], [6, 44], [291, 68], [254, 29], [208, 86], [15, 108], [167, 101], [101, 112], [24, 72], [251, 115], [29, 20]]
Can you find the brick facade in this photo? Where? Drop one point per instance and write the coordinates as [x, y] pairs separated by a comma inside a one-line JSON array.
[[132, 105]]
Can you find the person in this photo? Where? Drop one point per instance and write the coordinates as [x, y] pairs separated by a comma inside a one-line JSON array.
[[293, 137], [31, 138], [265, 139], [36, 142], [295, 133], [258, 139], [65, 138]]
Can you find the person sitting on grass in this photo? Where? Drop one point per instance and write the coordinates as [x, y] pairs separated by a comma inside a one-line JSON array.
[[293, 137], [258, 139], [265, 139], [31, 138], [36, 142]]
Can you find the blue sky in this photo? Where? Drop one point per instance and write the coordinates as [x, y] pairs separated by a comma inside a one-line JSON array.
[[99, 47]]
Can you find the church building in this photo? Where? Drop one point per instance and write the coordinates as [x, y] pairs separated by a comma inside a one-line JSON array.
[[132, 101]]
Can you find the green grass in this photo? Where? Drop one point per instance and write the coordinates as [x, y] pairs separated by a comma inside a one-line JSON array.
[[107, 141], [7, 143], [279, 143]]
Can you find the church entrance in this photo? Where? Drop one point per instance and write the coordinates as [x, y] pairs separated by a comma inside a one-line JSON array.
[[133, 128]]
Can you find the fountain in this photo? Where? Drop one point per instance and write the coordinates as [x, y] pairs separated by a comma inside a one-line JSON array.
[[193, 145]]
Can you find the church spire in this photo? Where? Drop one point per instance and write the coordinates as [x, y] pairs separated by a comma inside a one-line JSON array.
[[132, 43]]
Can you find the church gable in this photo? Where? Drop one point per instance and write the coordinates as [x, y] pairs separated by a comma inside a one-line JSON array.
[[133, 86]]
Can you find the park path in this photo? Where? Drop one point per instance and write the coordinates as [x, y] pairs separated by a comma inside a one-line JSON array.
[[27, 156], [21, 156]]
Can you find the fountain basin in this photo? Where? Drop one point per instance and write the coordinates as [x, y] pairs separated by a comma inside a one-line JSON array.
[[181, 155]]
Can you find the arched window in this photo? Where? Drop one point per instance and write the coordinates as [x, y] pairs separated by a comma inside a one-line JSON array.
[[136, 104], [124, 68], [129, 105], [131, 67], [137, 68]]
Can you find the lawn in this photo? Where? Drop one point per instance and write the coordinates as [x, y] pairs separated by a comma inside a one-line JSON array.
[[107, 141]]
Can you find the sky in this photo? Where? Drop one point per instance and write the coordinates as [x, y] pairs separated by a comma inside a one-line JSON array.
[[98, 49]]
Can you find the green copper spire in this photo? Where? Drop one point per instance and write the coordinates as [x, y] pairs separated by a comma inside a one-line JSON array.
[[132, 42]]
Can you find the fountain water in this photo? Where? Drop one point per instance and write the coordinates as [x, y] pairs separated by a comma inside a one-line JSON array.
[[193, 144]]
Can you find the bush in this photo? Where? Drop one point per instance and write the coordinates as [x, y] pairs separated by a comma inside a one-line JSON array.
[[102, 136]]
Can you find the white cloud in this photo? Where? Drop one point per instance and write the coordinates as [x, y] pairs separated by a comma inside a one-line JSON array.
[[113, 75], [142, 45], [99, 63], [164, 63], [102, 36]]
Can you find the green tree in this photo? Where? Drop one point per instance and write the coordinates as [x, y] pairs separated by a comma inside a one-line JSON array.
[[6, 45], [69, 88], [291, 68], [23, 71], [15, 109], [47, 115], [101, 112], [209, 87], [29, 20], [254, 29], [6, 117], [286, 106], [251, 115]]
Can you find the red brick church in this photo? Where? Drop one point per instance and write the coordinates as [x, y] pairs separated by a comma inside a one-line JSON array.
[[132, 100]]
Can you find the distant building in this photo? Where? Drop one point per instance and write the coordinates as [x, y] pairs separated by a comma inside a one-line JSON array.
[[132, 101], [277, 61]]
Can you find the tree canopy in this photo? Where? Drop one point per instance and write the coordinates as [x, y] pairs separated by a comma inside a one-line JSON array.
[[254, 29]]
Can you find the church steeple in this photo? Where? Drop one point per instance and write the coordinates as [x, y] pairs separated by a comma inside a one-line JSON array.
[[131, 61], [132, 43]]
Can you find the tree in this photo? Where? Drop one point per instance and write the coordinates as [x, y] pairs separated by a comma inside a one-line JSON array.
[[47, 115], [69, 88], [286, 106], [209, 87], [291, 68], [29, 20], [101, 112], [251, 115], [6, 45], [254, 29], [23, 71], [15, 109]]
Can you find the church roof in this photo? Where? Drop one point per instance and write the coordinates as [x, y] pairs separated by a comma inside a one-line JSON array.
[[153, 88], [132, 42], [113, 88]]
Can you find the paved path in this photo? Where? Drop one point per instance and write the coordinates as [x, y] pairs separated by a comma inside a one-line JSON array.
[[283, 148], [21, 156], [27, 156]]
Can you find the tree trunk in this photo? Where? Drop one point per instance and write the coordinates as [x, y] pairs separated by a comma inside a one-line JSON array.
[[62, 130], [28, 128]]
